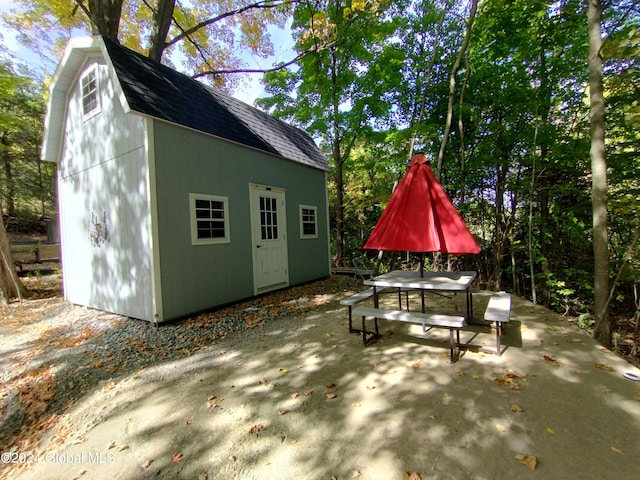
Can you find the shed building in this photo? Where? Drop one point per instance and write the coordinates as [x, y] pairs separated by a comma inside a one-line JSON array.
[[175, 197]]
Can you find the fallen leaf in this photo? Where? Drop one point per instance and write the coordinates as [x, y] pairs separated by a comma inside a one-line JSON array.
[[308, 393], [355, 474], [120, 448], [258, 427], [549, 360], [203, 476], [528, 461], [476, 377], [460, 373], [411, 476], [356, 404], [295, 395], [147, 463], [283, 370], [415, 365], [550, 430], [80, 474], [331, 395], [617, 450], [176, 457], [283, 412], [329, 385], [213, 401], [233, 458], [500, 427], [604, 366], [370, 387], [516, 408]]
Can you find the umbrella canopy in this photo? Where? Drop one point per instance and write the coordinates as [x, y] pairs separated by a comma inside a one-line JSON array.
[[420, 217]]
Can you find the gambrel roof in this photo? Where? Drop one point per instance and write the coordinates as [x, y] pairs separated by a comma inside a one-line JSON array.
[[155, 90]]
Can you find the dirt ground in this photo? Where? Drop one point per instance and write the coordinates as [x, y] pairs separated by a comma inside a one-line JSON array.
[[301, 398]]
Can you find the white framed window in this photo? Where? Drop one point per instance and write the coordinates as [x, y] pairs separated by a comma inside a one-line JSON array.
[[308, 221], [209, 219], [90, 93]]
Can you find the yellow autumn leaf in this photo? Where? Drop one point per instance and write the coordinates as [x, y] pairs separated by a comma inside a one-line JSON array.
[[617, 450], [516, 408], [528, 461], [604, 366], [550, 430], [411, 476], [500, 427]]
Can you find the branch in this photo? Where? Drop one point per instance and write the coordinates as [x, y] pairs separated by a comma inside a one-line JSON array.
[[255, 70], [260, 5]]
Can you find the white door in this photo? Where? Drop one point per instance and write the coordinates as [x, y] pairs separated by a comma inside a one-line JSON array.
[[268, 234]]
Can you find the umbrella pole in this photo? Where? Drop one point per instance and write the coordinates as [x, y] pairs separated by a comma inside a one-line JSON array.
[[421, 264]]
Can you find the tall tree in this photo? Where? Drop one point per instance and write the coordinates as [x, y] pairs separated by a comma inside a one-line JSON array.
[[335, 93], [11, 86], [602, 329], [209, 35], [452, 82]]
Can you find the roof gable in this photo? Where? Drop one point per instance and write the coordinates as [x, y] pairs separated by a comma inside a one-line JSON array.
[[156, 90], [150, 88]]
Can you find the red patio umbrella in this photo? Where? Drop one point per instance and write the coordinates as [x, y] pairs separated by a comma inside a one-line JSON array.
[[420, 217]]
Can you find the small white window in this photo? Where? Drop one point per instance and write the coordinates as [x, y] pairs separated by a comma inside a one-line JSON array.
[[90, 94], [209, 219], [308, 221]]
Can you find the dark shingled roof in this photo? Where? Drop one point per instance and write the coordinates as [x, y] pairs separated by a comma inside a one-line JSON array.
[[160, 92]]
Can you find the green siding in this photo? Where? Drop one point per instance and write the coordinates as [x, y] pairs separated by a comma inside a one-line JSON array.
[[196, 278]]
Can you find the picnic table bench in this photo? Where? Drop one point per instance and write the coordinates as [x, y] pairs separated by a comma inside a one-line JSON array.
[[498, 311], [354, 299], [431, 320]]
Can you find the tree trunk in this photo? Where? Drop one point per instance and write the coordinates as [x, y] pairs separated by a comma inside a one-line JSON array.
[[452, 84], [417, 111], [602, 329], [10, 285], [10, 185], [162, 17], [105, 17], [338, 160]]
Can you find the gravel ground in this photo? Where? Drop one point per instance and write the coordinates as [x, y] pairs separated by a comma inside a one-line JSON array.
[[53, 352]]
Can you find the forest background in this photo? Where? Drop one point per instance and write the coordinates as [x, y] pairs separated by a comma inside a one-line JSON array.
[[528, 109]]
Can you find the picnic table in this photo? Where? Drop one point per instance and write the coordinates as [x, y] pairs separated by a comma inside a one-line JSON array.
[[438, 282]]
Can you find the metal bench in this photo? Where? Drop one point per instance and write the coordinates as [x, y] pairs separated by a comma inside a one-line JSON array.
[[352, 300], [452, 322], [499, 311]]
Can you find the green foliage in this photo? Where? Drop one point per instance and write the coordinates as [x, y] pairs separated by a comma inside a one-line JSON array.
[[26, 183]]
